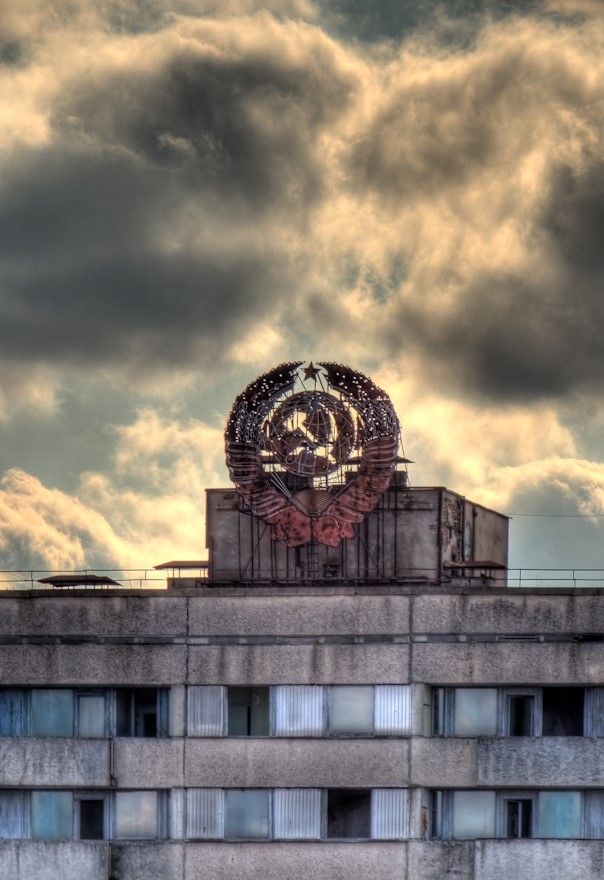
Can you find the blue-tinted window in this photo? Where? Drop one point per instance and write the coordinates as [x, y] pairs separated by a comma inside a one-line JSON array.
[[52, 712], [51, 815]]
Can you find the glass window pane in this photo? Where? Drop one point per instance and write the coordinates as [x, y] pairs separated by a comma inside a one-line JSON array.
[[12, 814], [136, 814], [351, 709], [51, 815], [13, 712], [473, 814], [91, 716], [475, 712], [246, 813], [559, 814], [51, 713]]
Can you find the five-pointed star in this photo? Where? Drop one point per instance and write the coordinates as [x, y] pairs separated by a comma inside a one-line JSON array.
[[311, 372]]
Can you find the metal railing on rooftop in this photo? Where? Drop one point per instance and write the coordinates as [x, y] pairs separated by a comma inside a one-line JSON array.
[[100, 580]]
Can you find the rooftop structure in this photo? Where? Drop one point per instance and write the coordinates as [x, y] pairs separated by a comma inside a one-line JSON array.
[[349, 687]]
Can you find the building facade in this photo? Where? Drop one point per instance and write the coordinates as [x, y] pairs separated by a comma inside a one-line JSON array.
[[383, 706]]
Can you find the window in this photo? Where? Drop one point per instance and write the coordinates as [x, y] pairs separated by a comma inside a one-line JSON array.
[[475, 712], [13, 814], [473, 814], [299, 710], [51, 712], [518, 817], [246, 814], [297, 813], [90, 816], [91, 715], [14, 712], [348, 813], [521, 713], [141, 712], [248, 711], [51, 815], [136, 815], [351, 710], [559, 814], [563, 711]]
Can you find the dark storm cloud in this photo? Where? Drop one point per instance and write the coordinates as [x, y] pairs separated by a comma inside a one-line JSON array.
[[245, 126], [520, 337], [83, 281], [195, 151]]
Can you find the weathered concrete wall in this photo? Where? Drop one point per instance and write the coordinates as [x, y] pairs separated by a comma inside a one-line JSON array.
[[539, 859], [508, 663], [299, 664], [511, 613], [506, 860], [93, 615], [148, 861], [298, 615], [296, 762], [148, 763], [296, 861], [80, 763], [511, 762], [544, 761], [443, 762], [85, 664], [53, 860]]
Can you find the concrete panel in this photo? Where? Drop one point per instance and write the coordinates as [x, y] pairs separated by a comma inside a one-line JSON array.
[[544, 761], [437, 860], [147, 861], [444, 762], [513, 613], [296, 861], [146, 665], [270, 762], [148, 763], [299, 615], [94, 615], [80, 763], [299, 664], [506, 663], [539, 859], [51, 860]]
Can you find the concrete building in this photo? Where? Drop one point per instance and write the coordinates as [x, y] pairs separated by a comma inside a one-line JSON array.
[[384, 706]]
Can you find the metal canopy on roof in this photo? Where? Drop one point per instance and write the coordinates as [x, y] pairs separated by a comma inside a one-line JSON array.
[[180, 563], [79, 580]]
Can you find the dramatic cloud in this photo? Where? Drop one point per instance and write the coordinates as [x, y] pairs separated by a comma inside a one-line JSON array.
[[192, 190]]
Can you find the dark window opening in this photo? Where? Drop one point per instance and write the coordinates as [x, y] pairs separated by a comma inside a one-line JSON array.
[[563, 711], [137, 712], [518, 814], [92, 814], [521, 715], [248, 711], [348, 813]]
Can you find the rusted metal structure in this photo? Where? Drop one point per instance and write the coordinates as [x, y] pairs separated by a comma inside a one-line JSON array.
[[313, 461]]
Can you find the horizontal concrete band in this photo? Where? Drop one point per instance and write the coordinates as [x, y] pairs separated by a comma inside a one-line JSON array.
[[414, 860], [518, 762], [326, 612], [445, 663], [174, 763], [512, 762]]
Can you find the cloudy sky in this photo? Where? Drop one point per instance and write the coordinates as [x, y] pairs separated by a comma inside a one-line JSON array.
[[194, 190]]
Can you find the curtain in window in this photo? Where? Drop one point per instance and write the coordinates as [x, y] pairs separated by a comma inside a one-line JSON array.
[[14, 705], [205, 711], [297, 813], [205, 813], [299, 710], [392, 709], [388, 813]]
